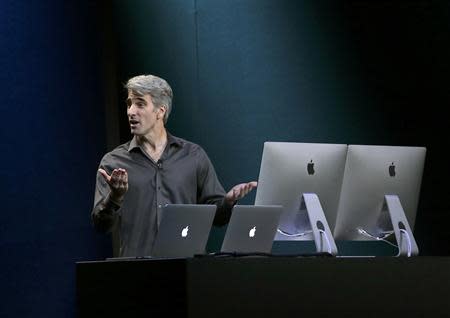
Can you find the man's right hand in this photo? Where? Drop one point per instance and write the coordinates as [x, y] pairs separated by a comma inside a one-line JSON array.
[[118, 183]]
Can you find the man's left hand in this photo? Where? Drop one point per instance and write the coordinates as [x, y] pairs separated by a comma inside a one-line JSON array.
[[239, 191]]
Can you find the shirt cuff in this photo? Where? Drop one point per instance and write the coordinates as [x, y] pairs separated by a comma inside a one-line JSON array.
[[111, 204], [227, 205]]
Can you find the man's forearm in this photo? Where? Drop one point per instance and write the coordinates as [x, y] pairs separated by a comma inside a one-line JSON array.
[[104, 214], [223, 212]]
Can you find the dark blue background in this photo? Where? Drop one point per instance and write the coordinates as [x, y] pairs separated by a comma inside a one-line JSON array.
[[52, 136], [243, 72]]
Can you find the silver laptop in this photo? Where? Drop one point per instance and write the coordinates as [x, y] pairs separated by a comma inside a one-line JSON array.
[[184, 230], [290, 169], [251, 229]]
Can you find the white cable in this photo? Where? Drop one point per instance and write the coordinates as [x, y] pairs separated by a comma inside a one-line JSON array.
[[293, 234], [409, 242], [378, 238], [328, 241]]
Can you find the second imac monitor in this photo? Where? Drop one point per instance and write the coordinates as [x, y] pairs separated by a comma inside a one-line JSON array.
[[380, 194], [289, 170]]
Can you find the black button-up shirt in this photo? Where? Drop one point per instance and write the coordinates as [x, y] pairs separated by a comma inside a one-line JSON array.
[[184, 174]]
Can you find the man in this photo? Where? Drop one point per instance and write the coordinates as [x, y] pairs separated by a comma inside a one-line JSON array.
[[153, 169]]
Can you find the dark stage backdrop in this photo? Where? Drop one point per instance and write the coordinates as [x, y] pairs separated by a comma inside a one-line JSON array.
[[243, 72], [52, 135]]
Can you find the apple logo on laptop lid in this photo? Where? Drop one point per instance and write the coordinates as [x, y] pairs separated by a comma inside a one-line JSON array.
[[252, 232], [184, 232]]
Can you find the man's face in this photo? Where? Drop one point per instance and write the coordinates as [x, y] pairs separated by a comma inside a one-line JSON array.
[[143, 116]]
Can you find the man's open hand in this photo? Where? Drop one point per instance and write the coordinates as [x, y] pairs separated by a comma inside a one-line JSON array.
[[117, 181], [239, 191]]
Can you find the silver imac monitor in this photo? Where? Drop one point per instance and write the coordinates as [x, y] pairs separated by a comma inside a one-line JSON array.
[[380, 194], [293, 173]]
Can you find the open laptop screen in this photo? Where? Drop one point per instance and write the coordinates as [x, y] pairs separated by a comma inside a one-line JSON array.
[[184, 230], [251, 229]]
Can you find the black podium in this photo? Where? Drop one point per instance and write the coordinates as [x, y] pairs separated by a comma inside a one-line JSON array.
[[265, 287]]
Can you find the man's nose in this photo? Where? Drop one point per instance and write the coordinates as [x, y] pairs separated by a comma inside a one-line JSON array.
[[131, 110]]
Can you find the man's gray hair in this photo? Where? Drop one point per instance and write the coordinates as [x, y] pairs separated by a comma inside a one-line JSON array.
[[158, 89]]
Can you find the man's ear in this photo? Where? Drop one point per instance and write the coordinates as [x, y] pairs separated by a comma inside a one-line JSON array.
[[161, 111]]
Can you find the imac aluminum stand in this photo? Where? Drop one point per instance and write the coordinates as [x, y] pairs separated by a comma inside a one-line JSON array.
[[309, 218], [407, 245], [322, 235]]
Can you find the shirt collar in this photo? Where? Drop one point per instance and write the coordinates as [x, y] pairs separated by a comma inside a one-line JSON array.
[[171, 140]]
